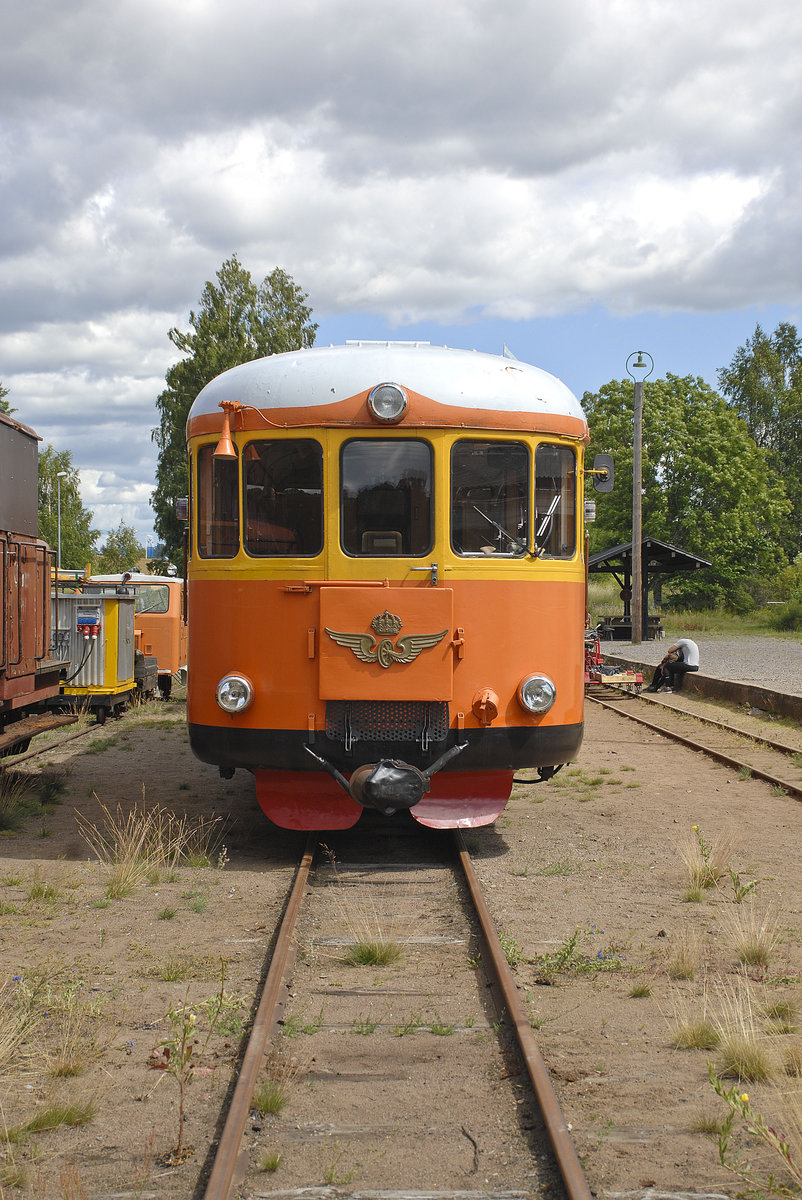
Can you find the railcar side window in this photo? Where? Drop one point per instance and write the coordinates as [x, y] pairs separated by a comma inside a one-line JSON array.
[[218, 505], [386, 503], [555, 501], [283, 497], [489, 498]]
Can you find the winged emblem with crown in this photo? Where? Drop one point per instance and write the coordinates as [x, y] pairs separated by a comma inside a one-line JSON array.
[[382, 649]]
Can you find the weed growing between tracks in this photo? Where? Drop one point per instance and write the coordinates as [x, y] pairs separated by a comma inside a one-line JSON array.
[[371, 947]]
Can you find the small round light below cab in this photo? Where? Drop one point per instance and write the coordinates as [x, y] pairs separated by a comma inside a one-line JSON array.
[[388, 403], [234, 693], [536, 693]]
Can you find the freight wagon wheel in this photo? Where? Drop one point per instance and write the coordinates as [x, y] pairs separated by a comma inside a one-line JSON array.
[[166, 686], [100, 716]]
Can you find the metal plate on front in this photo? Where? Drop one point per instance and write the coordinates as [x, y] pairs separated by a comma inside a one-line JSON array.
[[386, 643]]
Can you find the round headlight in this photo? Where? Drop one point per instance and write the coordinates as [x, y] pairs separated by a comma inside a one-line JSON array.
[[388, 402], [536, 693], [234, 693]]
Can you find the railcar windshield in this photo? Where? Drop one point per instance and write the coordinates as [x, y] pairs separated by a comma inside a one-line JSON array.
[[489, 498], [218, 505], [283, 497], [386, 501], [555, 501]]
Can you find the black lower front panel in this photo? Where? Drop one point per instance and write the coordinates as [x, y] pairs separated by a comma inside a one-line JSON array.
[[285, 750]]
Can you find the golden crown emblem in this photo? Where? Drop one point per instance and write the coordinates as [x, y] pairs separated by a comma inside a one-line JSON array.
[[386, 624]]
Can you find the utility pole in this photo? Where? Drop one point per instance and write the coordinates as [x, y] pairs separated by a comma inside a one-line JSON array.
[[636, 605]]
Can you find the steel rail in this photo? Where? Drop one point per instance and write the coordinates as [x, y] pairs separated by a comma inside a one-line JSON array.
[[221, 1179], [727, 760], [781, 747], [11, 760], [564, 1151]]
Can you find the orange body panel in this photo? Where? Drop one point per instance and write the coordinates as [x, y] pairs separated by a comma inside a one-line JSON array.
[[164, 635], [423, 413], [262, 630]]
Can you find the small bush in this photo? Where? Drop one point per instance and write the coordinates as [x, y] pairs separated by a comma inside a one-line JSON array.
[[788, 619]]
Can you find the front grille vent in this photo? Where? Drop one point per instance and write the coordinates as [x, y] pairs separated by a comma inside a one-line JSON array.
[[421, 721]]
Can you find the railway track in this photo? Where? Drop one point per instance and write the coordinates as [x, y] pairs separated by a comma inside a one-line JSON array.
[[45, 748], [776, 762], [412, 1071]]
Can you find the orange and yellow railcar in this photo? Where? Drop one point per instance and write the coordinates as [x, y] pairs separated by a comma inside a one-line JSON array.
[[386, 580]]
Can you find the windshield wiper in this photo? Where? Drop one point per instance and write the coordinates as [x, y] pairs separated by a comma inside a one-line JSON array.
[[520, 545], [545, 524]]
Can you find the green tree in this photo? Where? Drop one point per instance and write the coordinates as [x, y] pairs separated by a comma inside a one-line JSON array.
[[763, 385], [707, 487], [237, 321], [5, 407], [77, 536], [120, 552]]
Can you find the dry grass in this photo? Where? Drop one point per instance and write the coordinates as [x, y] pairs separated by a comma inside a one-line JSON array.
[[77, 1041], [372, 945], [140, 843], [692, 1027], [744, 1051], [273, 1091], [781, 1016], [751, 934], [15, 795], [685, 954], [16, 1026], [706, 863]]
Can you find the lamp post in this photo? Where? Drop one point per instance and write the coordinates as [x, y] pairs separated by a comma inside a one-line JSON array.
[[61, 475], [644, 370]]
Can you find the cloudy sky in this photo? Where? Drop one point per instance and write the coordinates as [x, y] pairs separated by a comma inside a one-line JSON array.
[[576, 179]]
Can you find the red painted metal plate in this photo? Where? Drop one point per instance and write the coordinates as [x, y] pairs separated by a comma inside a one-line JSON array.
[[305, 800], [464, 799]]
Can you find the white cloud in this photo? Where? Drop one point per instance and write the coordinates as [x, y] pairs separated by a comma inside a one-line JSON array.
[[462, 160]]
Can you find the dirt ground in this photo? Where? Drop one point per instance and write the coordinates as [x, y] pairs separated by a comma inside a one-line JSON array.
[[586, 879]]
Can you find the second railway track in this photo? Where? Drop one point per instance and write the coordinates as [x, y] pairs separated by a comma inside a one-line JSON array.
[[768, 758], [420, 1073]]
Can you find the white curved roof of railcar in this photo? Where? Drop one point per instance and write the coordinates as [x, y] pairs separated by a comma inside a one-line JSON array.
[[324, 375], [135, 577]]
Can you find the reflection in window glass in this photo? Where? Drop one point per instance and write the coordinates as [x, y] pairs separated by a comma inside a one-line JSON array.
[[151, 598], [218, 505], [489, 498], [386, 497], [555, 501], [283, 497]]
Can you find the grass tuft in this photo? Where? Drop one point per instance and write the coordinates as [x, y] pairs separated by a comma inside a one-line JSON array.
[[752, 935], [139, 844]]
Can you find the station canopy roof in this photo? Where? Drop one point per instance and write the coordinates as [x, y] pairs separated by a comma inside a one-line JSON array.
[[657, 558]]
